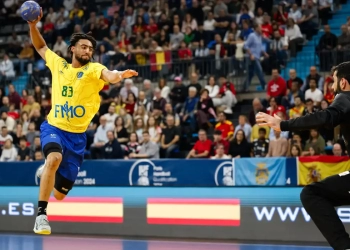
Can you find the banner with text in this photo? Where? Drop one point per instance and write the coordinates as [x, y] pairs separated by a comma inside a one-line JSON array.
[[260, 171], [317, 168]]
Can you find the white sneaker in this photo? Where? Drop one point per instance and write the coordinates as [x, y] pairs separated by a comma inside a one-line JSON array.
[[40, 170], [42, 225]]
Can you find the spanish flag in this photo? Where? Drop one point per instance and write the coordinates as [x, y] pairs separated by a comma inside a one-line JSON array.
[[85, 209], [316, 168], [195, 212], [159, 58]]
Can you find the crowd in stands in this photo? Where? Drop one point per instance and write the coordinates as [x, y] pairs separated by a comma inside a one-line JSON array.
[[176, 41]]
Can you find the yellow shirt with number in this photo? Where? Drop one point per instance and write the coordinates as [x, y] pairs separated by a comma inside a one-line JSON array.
[[75, 93]]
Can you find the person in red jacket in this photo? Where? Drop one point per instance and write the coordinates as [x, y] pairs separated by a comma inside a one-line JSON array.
[[277, 87]]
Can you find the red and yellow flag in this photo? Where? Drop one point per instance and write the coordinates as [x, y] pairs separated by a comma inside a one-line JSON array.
[[158, 59], [316, 168], [209, 212], [86, 209]]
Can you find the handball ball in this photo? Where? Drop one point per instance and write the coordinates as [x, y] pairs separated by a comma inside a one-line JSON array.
[[30, 11]]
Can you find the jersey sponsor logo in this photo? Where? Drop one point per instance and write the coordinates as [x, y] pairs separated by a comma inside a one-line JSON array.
[[67, 111], [80, 75]]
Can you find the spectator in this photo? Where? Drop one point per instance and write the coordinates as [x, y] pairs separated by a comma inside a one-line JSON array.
[[256, 132], [220, 6], [14, 43], [36, 118], [178, 94], [143, 102], [246, 30], [310, 108], [112, 149], [315, 141], [4, 136], [317, 76], [176, 38], [194, 83], [225, 126], [293, 36], [133, 145], [324, 10], [261, 144], [277, 87], [314, 93], [222, 22], [328, 42], [25, 56], [165, 90], [313, 151], [17, 134], [120, 132], [212, 87], [100, 138], [111, 115], [9, 152], [197, 12], [147, 88], [141, 113], [190, 108], [31, 134], [209, 23], [278, 48], [148, 150], [289, 100], [31, 105], [190, 22], [226, 97], [328, 90], [220, 153], [158, 102], [337, 150], [295, 151], [239, 146], [205, 110], [130, 104], [245, 126], [309, 21], [7, 71], [139, 127], [5, 107], [129, 87], [266, 27], [7, 121], [170, 138], [218, 140], [154, 130], [38, 155], [202, 147], [254, 48], [278, 146], [294, 78], [298, 108], [244, 15], [128, 123], [23, 150], [14, 97], [169, 111], [257, 107], [34, 147], [326, 132], [343, 45], [294, 13]]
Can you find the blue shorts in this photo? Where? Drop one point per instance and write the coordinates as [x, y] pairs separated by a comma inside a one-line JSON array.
[[73, 147]]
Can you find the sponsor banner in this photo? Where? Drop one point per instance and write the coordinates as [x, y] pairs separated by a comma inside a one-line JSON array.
[[260, 171], [209, 212], [316, 168], [86, 209], [167, 173]]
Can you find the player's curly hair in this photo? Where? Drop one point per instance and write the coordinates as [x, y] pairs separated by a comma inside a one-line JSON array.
[[78, 36]]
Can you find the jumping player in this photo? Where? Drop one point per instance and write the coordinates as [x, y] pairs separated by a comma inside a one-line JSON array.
[[320, 198], [75, 101]]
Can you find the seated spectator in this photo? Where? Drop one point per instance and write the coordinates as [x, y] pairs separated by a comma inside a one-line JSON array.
[[190, 107], [261, 144], [17, 134], [295, 151], [14, 97], [128, 87], [61, 46], [212, 87], [294, 78], [130, 104], [31, 134], [165, 90], [36, 118], [139, 127], [209, 23], [111, 115], [4, 136], [148, 150], [154, 130], [218, 140], [314, 93], [170, 138], [257, 107], [313, 74], [266, 27], [9, 152], [281, 15], [315, 141], [36, 145], [176, 38], [133, 145], [309, 21], [120, 132], [100, 138], [337, 150], [190, 22], [143, 102], [112, 149], [5, 107], [326, 45], [326, 132], [281, 113], [158, 104], [298, 109], [23, 150], [295, 92], [222, 23], [7, 71], [220, 153], [194, 83], [277, 87], [31, 105], [245, 15], [309, 107], [293, 36], [38, 155], [7, 121], [141, 113], [202, 147], [245, 126], [294, 13], [239, 146], [313, 151], [325, 11], [205, 110], [225, 126], [246, 30], [178, 94], [256, 132], [278, 146], [127, 118], [274, 108], [278, 50], [328, 90], [226, 97]]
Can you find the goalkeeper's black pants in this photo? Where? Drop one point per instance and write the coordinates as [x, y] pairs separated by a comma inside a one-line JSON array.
[[320, 199]]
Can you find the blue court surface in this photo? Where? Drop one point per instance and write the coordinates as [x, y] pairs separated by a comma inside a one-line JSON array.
[[34, 242]]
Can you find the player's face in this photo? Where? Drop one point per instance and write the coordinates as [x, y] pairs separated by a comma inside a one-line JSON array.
[[83, 51]]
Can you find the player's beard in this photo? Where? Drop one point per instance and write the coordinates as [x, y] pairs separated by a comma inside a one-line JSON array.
[[338, 90], [82, 60]]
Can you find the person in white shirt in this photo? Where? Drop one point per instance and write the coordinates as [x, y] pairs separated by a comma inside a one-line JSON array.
[[245, 126], [7, 121], [69, 4], [111, 115], [293, 36], [220, 153], [128, 86], [4, 136], [209, 24], [6, 69], [314, 93], [61, 46], [295, 13], [9, 152], [212, 87], [100, 138]]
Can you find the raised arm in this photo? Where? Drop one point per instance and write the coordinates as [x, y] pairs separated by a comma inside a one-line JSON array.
[[37, 39], [116, 76]]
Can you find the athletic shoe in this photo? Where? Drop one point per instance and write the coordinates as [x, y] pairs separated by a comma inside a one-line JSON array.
[[40, 170], [42, 225]]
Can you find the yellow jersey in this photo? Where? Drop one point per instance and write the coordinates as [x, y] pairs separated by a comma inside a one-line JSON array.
[[75, 93]]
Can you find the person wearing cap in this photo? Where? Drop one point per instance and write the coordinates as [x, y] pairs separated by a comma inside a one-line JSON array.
[[178, 94]]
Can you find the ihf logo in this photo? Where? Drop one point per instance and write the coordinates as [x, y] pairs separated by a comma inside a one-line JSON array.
[[224, 174], [141, 173]]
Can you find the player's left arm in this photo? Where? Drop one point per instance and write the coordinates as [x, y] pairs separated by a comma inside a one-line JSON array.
[[116, 76]]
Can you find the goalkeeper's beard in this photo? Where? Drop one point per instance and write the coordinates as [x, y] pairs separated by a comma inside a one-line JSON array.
[[82, 60]]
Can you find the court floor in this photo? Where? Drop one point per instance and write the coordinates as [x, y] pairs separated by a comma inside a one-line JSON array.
[[34, 242]]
